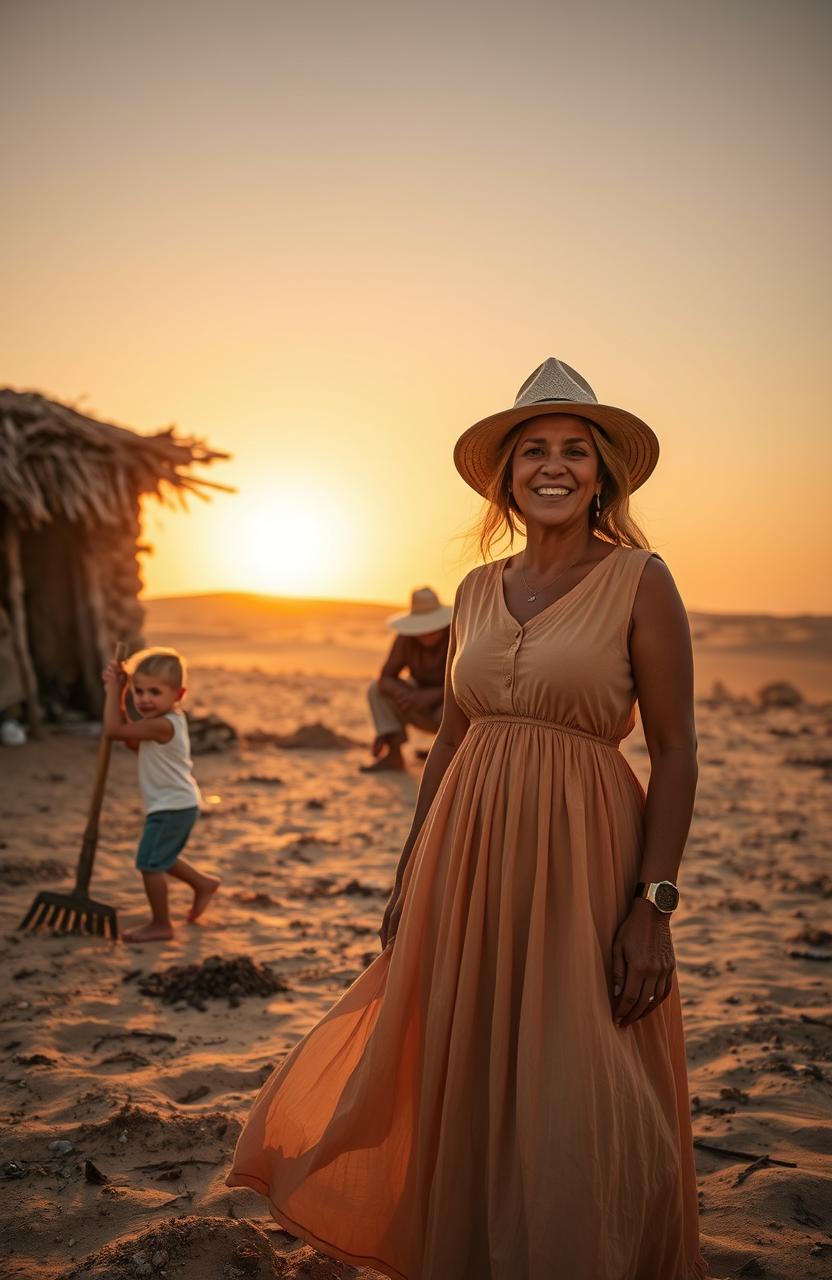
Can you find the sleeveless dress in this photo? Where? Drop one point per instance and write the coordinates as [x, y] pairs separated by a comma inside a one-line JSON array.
[[468, 1109]]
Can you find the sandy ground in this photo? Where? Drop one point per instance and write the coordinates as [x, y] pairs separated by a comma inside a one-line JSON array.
[[150, 1096]]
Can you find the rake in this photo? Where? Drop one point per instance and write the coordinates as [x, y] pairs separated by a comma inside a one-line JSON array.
[[77, 912]]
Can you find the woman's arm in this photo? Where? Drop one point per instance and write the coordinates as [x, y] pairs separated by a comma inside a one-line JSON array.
[[662, 661], [445, 745]]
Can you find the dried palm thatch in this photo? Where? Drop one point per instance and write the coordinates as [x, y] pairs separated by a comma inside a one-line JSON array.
[[66, 480], [55, 463]]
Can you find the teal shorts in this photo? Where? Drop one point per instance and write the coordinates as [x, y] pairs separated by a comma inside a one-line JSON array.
[[164, 837]]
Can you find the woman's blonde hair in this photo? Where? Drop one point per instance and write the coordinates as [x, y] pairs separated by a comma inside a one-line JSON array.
[[502, 518], [158, 661]]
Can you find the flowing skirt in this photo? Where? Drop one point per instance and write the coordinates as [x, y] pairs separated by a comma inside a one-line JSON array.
[[468, 1109]]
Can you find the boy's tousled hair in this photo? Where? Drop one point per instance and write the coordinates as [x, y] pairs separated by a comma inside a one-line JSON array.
[[158, 661]]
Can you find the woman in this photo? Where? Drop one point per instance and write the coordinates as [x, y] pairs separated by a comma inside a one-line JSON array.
[[421, 649], [502, 1094]]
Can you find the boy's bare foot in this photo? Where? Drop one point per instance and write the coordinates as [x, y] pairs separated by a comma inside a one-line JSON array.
[[150, 932], [202, 896]]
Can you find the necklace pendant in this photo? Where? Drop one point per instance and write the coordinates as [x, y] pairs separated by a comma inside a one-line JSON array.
[[532, 599]]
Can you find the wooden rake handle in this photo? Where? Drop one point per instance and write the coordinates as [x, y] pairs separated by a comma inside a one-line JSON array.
[[90, 839]]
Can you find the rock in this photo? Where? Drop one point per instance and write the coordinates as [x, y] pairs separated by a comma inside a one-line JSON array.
[[93, 1174], [60, 1147], [779, 694], [211, 733]]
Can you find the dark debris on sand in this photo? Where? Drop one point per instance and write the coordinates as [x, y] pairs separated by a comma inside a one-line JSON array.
[[216, 978], [307, 737], [22, 871], [215, 1247]]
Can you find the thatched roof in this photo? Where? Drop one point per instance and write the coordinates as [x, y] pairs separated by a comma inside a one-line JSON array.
[[56, 463]]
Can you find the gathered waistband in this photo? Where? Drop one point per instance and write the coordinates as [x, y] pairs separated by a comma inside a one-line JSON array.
[[478, 721]]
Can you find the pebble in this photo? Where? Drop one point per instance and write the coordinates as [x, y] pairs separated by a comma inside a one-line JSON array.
[[60, 1147]]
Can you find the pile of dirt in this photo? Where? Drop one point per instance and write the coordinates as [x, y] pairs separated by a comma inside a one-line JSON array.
[[22, 871], [215, 979], [779, 694], [307, 737], [134, 1126], [186, 1247]]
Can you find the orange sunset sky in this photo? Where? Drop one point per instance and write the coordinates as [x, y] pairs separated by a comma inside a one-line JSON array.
[[327, 237]]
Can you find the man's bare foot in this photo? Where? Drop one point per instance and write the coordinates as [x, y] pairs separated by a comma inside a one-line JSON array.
[[150, 932], [202, 896], [393, 762]]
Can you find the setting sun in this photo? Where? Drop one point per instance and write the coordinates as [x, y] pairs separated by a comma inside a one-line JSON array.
[[271, 545]]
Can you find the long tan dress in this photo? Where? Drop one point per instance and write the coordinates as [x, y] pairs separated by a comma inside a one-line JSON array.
[[468, 1110]]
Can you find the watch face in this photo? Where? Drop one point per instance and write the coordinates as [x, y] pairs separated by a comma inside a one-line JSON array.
[[667, 895]]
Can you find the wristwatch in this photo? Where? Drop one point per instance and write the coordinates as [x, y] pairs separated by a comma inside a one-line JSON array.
[[662, 893]]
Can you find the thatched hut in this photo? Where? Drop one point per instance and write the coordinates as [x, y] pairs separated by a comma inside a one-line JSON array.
[[69, 521]]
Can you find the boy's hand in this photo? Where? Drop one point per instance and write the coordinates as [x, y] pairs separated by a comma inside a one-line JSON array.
[[114, 676]]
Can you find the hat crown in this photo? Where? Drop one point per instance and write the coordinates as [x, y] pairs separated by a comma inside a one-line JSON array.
[[424, 600], [554, 380]]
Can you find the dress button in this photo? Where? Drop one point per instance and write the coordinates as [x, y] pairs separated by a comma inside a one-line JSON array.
[[506, 680]]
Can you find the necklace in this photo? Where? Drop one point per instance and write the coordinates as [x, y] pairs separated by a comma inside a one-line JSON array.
[[535, 591]]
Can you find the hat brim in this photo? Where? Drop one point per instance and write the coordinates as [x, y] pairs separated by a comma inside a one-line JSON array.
[[421, 624], [476, 450]]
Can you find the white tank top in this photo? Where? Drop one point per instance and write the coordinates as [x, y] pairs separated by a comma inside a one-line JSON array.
[[165, 777]]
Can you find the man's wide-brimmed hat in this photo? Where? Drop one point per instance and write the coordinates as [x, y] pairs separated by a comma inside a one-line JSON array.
[[425, 614], [555, 388]]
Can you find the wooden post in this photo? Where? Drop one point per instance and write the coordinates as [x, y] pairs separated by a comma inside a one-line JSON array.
[[20, 638], [98, 613], [87, 641]]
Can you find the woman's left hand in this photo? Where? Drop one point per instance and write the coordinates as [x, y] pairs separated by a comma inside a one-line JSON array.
[[642, 963]]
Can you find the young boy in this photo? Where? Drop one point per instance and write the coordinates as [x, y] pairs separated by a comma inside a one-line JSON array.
[[169, 792]]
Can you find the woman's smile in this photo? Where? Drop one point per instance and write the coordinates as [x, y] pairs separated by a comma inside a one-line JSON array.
[[552, 492]]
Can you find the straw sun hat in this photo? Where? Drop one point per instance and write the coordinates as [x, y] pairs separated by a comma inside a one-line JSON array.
[[426, 614], [555, 388]]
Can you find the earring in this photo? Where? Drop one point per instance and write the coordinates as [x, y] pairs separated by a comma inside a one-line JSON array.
[[598, 506]]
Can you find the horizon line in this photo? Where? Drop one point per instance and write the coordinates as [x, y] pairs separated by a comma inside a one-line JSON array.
[[384, 604]]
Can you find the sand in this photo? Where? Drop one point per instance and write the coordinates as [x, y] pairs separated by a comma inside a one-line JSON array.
[[150, 1095]]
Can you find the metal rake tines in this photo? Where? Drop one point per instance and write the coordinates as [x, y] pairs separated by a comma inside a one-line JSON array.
[[68, 914]]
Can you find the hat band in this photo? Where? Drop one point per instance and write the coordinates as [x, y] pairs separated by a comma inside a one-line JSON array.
[[555, 400]]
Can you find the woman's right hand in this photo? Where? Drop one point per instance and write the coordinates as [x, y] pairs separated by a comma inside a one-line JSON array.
[[391, 917]]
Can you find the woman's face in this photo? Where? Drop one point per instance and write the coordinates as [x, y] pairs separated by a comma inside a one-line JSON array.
[[555, 470]]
